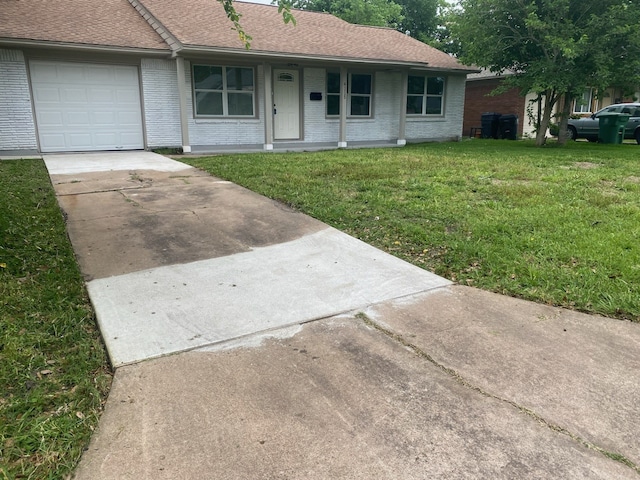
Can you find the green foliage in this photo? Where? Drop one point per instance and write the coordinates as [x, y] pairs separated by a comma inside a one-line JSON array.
[[380, 13], [420, 18], [555, 225], [54, 374], [284, 8], [555, 47]]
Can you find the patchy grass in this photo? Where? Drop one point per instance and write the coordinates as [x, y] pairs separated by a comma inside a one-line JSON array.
[[54, 374], [559, 226]]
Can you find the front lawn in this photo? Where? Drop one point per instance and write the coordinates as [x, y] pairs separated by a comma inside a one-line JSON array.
[[555, 225], [54, 373]]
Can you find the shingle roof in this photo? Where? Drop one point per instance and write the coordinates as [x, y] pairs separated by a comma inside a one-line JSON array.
[[103, 22], [202, 23]]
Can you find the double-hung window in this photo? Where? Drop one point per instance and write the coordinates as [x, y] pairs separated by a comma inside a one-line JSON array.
[[359, 93], [425, 95], [583, 103], [223, 91]]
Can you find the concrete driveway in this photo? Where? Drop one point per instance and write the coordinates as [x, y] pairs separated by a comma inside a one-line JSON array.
[[252, 341]]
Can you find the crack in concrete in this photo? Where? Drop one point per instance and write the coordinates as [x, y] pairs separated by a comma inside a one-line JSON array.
[[466, 383]]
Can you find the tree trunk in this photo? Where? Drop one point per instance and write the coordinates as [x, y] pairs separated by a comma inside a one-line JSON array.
[[564, 120], [549, 102]]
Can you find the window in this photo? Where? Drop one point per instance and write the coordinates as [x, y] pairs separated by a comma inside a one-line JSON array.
[[333, 93], [583, 103], [223, 91], [359, 94], [425, 95]]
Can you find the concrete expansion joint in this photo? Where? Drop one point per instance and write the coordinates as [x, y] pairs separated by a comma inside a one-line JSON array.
[[104, 190], [466, 383]]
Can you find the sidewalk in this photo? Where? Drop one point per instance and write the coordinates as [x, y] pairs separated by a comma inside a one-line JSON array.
[[253, 342]]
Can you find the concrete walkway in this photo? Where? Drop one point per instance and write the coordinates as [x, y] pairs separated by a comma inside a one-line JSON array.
[[253, 342]]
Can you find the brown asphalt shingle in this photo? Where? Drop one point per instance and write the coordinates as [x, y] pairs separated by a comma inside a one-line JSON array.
[[88, 22], [203, 23]]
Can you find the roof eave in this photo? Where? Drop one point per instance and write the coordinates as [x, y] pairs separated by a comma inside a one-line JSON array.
[[187, 50], [27, 43]]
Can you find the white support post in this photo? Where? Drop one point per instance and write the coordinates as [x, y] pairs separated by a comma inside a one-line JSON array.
[[182, 102], [344, 79], [268, 107], [403, 108]]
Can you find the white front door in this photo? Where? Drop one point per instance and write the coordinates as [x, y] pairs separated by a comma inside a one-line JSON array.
[[83, 106], [286, 105]]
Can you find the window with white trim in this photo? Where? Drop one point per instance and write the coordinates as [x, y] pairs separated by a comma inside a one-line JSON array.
[[583, 103], [223, 91], [425, 95], [359, 91]]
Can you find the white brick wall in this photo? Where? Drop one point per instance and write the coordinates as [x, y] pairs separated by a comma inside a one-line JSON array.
[[17, 129], [317, 129], [226, 131], [160, 98], [447, 127], [163, 118]]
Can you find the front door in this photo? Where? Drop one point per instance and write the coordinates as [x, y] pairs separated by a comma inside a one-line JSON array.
[[286, 105]]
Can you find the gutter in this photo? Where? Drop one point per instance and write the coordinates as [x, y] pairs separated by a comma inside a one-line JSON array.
[[12, 42], [261, 54]]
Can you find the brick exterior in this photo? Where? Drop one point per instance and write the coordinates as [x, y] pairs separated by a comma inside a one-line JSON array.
[[478, 102], [226, 131], [17, 128], [448, 127], [160, 99], [162, 116]]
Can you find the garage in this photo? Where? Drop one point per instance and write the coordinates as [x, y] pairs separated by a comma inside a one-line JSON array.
[[86, 107]]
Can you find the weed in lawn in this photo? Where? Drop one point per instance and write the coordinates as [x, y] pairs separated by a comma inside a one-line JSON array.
[[54, 374], [554, 225]]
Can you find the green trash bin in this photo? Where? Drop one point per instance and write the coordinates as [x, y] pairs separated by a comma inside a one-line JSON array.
[[611, 127]]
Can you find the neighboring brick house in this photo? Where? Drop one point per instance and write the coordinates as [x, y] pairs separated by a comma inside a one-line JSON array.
[[478, 101], [84, 75]]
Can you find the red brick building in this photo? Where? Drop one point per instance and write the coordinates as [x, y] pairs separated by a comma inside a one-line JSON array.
[[478, 101]]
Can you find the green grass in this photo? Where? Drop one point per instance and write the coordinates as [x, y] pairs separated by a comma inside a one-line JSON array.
[[559, 226], [54, 374]]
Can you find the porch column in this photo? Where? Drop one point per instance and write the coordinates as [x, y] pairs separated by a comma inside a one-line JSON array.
[[344, 79], [268, 107], [182, 102], [403, 108]]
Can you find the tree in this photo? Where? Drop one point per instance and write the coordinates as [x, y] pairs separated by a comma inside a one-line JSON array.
[[556, 48], [379, 13], [284, 8], [420, 18]]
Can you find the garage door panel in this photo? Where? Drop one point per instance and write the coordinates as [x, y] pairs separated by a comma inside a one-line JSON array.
[[78, 119], [83, 107], [51, 119], [79, 141], [47, 94], [102, 95], [73, 95], [56, 141], [105, 119], [69, 73]]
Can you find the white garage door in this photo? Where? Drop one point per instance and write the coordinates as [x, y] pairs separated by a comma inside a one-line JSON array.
[[84, 107]]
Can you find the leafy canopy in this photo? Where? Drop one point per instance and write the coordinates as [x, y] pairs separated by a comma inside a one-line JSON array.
[[555, 48]]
